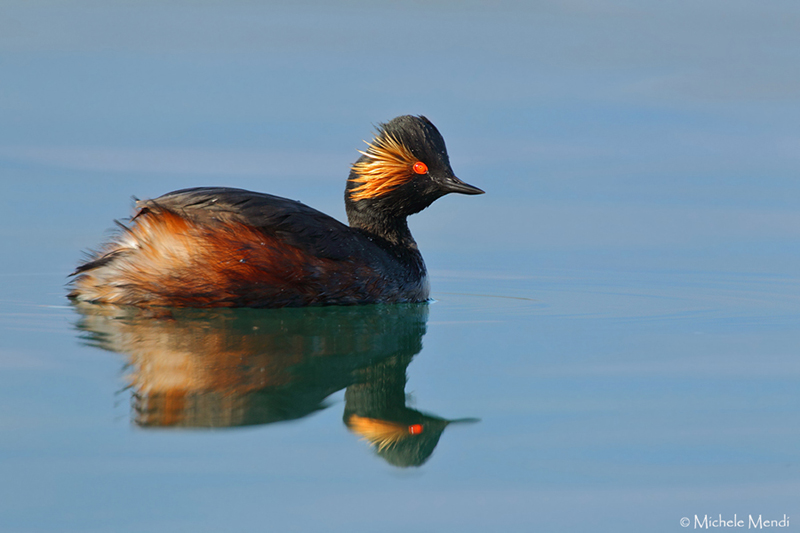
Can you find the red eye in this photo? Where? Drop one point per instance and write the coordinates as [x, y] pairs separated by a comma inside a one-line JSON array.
[[420, 167], [415, 429]]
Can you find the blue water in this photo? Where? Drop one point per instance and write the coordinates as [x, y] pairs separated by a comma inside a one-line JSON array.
[[615, 324]]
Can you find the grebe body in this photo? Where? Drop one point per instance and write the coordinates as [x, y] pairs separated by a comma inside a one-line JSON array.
[[225, 247]]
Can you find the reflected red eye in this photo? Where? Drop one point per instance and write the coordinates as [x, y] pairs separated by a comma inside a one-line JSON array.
[[420, 167], [415, 429]]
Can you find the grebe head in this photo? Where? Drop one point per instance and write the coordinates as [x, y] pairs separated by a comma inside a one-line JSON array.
[[403, 170]]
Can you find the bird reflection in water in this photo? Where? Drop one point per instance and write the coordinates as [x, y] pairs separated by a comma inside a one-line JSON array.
[[240, 367]]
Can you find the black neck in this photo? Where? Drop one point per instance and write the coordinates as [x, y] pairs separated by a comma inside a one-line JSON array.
[[394, 230]]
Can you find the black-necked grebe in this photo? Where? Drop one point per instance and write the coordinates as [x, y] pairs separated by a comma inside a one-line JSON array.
[[224, 247]]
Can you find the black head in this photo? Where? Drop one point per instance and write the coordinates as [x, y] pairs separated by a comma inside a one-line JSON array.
[[404, 169]]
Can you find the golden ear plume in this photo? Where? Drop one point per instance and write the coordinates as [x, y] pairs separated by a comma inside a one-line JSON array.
[[388, 165]]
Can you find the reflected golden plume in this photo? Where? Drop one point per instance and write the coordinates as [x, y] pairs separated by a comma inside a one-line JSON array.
[[381, 433]]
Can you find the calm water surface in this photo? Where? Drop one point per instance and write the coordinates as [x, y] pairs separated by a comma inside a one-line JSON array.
[[613, 341]]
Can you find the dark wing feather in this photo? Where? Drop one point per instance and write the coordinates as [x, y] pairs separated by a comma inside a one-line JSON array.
[[292, 222]]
